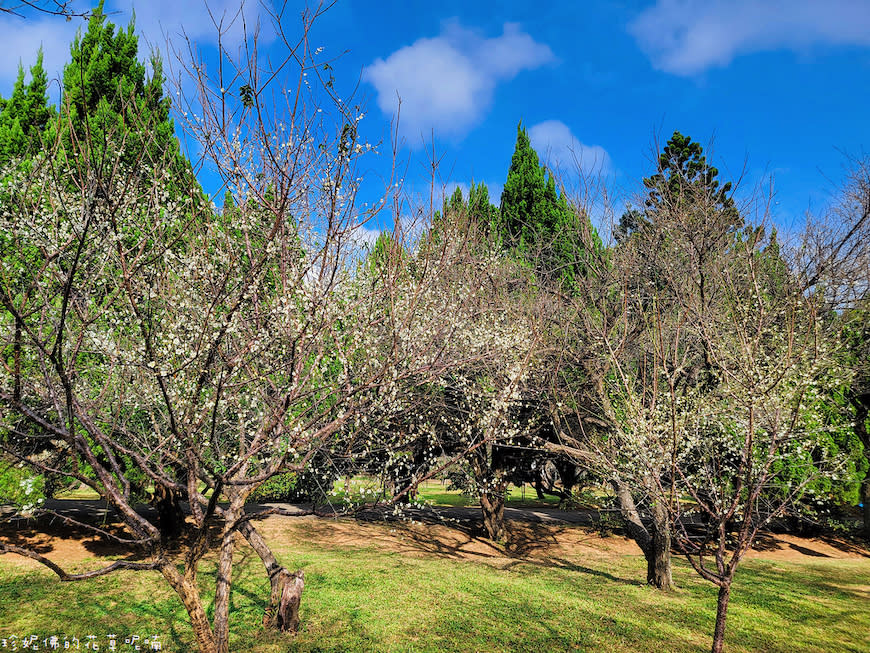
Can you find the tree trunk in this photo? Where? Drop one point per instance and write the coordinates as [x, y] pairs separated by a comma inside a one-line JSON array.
[[223, 586], [492, 506], [721, 615], [659, 557], [658, 561], [187, 590], [224, 582], [656, 545], [170, 517], [287, 618], [276, 573]]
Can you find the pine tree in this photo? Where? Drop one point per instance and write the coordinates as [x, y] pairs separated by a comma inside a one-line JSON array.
[[25, 115], [685, 179]]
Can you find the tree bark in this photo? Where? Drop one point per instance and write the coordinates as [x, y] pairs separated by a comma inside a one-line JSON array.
[[721, 615], [187, 590], [658, 562], [224, 583], [274, 571], [655, 545], [492, 506], [287, 618], [659, 558]]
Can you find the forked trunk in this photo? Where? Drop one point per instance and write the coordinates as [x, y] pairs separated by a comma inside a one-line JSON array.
[[273, 571], [721, 615], [188, 592], [655, 542], [492, 506]]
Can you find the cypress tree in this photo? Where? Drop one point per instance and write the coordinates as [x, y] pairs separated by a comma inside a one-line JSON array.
[[25, 115], [535, 217], [110, 99]]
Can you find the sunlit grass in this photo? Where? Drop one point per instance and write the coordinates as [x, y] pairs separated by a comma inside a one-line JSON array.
[[363, 596]]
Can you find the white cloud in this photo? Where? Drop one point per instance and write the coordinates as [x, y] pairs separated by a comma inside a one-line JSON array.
[[364, 235], [686, 37], [157, 19], [447, 82], [560, 149]]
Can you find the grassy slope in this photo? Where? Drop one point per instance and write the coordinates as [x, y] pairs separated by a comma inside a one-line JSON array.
[[365, 598]]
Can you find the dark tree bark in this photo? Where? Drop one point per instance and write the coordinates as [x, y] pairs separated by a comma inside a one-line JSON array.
[[492, 506], [654, 542]]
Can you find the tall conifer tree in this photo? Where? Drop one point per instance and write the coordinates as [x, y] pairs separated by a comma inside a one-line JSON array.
[[25, 115], [536, 218], [110, 98]]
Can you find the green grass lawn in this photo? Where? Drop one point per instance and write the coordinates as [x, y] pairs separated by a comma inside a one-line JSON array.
[[363, 489], [365, 596], [436, 493]]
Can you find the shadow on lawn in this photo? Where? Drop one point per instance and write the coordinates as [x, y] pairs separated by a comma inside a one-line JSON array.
[[771, 542], [526, 544]]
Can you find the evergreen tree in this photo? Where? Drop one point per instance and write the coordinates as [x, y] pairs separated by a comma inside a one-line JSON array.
[[536, 219], [109, 97], [25, 115], [480, 209], [685, 179], [684, 182], [525, 214]]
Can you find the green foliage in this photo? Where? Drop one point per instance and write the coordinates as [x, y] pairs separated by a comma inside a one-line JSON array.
[[685, 179], [537, 220], [25, 115], [281, 487], [112, 104], [20, 487]]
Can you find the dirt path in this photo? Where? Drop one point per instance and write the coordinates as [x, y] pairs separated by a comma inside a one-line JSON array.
[[456, 533]]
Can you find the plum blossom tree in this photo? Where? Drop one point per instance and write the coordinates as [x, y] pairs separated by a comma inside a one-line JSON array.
[[207, 351], [707, 402]]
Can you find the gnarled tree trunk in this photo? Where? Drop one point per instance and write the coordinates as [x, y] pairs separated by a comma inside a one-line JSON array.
[[492, 506], [655, 542], [187, 590]]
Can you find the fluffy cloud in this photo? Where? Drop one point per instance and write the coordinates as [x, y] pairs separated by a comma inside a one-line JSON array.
[[447, 82], [365, 235], [559, 148], [156, 18], [686, 37]]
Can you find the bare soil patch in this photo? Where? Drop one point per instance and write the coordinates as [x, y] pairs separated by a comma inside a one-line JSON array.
[[531, 542]]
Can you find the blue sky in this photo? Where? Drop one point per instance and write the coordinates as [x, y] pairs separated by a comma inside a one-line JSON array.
[[771, 87]]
